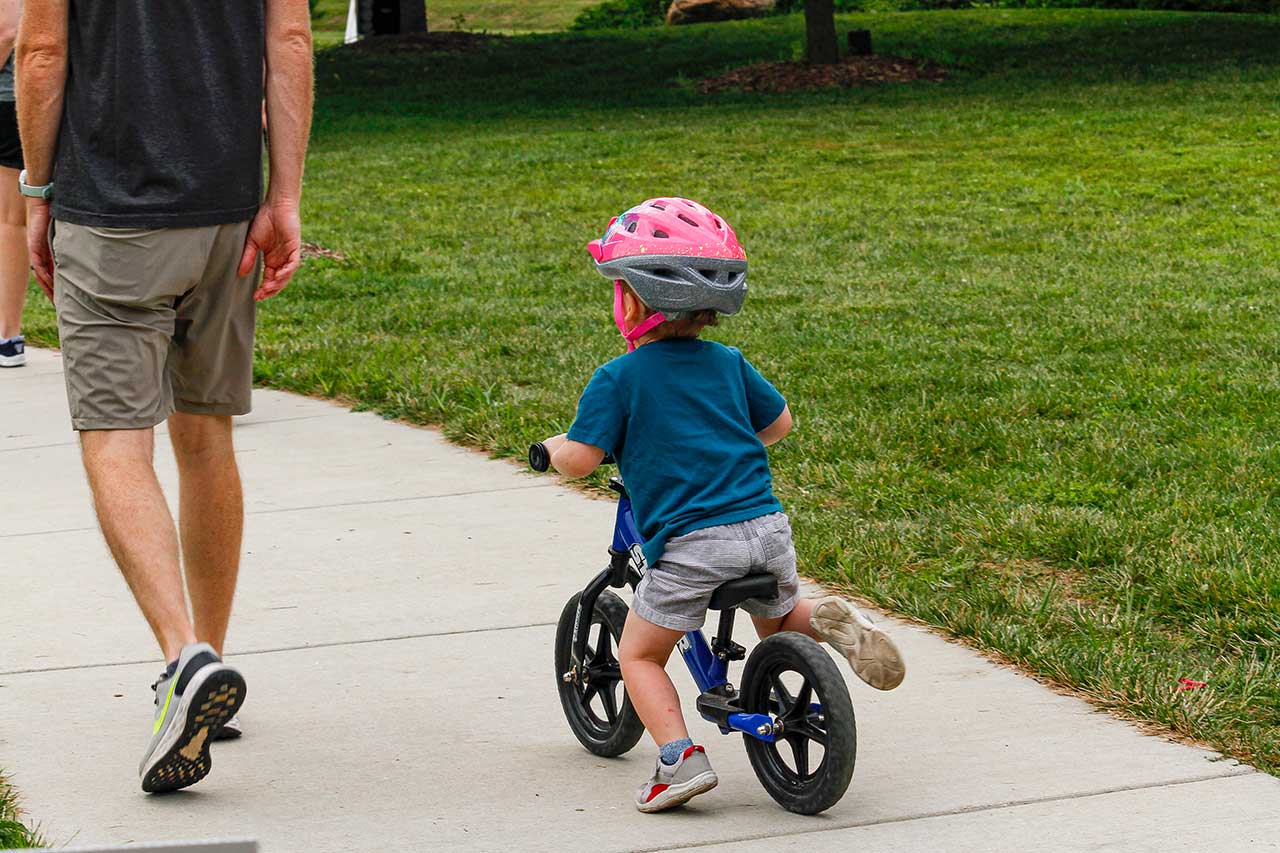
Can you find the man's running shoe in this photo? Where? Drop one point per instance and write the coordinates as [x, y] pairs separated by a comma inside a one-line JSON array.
[[874, 657], [230, 730], [673, 784], [13, 352], [192, 703]]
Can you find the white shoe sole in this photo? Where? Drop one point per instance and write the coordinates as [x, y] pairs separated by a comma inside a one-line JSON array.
[[874, 657], [679, 794], [13, 360]]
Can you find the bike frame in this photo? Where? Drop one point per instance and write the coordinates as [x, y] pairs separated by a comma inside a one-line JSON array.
[[709, 669]]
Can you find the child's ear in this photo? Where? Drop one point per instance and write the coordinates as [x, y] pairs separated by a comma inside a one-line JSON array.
[[634, 309]]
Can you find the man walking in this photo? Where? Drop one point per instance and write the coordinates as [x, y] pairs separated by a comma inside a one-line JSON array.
[[141, 126]]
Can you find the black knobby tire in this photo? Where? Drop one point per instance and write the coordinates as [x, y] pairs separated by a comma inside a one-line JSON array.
[[786, 676], [599, 712]]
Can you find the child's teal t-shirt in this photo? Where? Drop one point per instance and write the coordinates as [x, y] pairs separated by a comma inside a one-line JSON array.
[[681, 415]]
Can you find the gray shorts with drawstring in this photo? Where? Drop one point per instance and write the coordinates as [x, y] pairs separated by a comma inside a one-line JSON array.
[[675, 592]]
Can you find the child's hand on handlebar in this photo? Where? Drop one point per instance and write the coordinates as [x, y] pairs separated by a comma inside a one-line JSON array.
[[555, 443], [570, 458]]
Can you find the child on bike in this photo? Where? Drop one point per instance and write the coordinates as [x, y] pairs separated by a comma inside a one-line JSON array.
[[688, 422]]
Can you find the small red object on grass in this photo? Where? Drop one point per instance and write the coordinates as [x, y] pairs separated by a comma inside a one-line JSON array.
[[1191, 684]]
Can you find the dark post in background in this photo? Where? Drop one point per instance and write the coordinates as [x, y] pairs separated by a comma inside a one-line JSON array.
[[391, 17]]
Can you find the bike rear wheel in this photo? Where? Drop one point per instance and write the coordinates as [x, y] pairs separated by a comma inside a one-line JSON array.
[[808, 767], [597, 708]]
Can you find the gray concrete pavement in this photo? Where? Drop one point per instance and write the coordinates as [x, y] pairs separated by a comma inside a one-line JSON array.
[[394, 623]]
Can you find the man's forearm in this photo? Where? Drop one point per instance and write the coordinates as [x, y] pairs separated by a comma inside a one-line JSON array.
[[41, 74], [289, 86]]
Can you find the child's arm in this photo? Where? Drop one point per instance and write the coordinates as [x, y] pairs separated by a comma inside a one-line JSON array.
[[573, 458], [777, 430], [763, 400]]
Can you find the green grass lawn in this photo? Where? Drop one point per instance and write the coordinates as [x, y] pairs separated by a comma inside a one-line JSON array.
[[493, 15], [1026, 318]]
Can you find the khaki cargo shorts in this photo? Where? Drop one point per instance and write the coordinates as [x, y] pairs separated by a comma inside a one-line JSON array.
[[153, 321]]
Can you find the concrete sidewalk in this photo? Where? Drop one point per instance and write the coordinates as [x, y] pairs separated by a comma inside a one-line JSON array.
[[395, 624]]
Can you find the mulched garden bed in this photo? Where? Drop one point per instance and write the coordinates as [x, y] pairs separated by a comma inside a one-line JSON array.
[[431, 42], [800, 76]]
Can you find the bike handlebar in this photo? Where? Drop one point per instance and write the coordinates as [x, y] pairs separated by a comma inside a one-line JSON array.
[[540, 457]]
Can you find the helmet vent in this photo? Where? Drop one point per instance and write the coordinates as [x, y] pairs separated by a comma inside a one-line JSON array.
[[631, 226], [658, 205], [717, 222], [708, 274], [687, 219], [659, 234]]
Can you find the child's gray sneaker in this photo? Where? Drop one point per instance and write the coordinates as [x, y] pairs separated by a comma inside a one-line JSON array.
[[192, 703], [874, 657], [673, 784]]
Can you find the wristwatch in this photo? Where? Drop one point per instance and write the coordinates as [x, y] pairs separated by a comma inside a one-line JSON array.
[[45, 192]]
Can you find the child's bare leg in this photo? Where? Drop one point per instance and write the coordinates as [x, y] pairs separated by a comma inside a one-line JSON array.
[[643, 655], [797, 620]]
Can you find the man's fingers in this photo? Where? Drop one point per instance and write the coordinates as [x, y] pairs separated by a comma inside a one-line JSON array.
[[271, 283], [285, 273], [267, 291], [247, 258], [42, 266], [44, 277], [277, 271]]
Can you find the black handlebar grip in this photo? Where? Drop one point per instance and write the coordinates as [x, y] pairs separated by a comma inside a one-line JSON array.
[[539, 458]]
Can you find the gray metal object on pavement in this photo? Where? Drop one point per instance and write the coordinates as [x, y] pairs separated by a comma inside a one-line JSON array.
[[232, 846]]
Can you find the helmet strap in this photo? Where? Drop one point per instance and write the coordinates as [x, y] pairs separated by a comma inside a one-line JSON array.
[[634, 333]]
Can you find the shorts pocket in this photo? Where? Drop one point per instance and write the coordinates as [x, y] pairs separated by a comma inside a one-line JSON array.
[[775, 539]]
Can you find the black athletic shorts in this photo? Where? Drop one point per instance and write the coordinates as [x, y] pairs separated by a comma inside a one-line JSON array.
[[10, 146]]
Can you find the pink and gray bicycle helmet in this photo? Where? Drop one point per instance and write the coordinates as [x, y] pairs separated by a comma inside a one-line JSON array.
[[677, 255]]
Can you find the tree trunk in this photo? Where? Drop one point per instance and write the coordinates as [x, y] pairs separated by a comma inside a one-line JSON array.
[[821, 47], [413, 16], [392, 17]]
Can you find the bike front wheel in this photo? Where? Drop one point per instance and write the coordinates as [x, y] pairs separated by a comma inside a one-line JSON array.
[[808, 767], [597, 707]]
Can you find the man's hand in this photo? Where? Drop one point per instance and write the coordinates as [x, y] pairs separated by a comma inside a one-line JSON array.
[[276, 232], [38, 252]]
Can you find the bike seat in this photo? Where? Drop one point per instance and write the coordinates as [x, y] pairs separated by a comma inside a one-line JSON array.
[[734, 592]]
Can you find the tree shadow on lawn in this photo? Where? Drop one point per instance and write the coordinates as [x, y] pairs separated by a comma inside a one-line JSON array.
[[988, 52]]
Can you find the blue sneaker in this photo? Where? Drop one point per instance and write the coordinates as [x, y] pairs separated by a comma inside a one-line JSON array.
[[13, 352]]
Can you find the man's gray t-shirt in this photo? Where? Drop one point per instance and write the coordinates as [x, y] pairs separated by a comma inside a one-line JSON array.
[[162, 118], [6, 80]]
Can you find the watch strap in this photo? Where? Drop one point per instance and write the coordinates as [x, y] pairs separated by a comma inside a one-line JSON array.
[[45, 192]]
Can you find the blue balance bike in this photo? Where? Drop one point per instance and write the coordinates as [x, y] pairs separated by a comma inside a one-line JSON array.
[[792, 692]]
